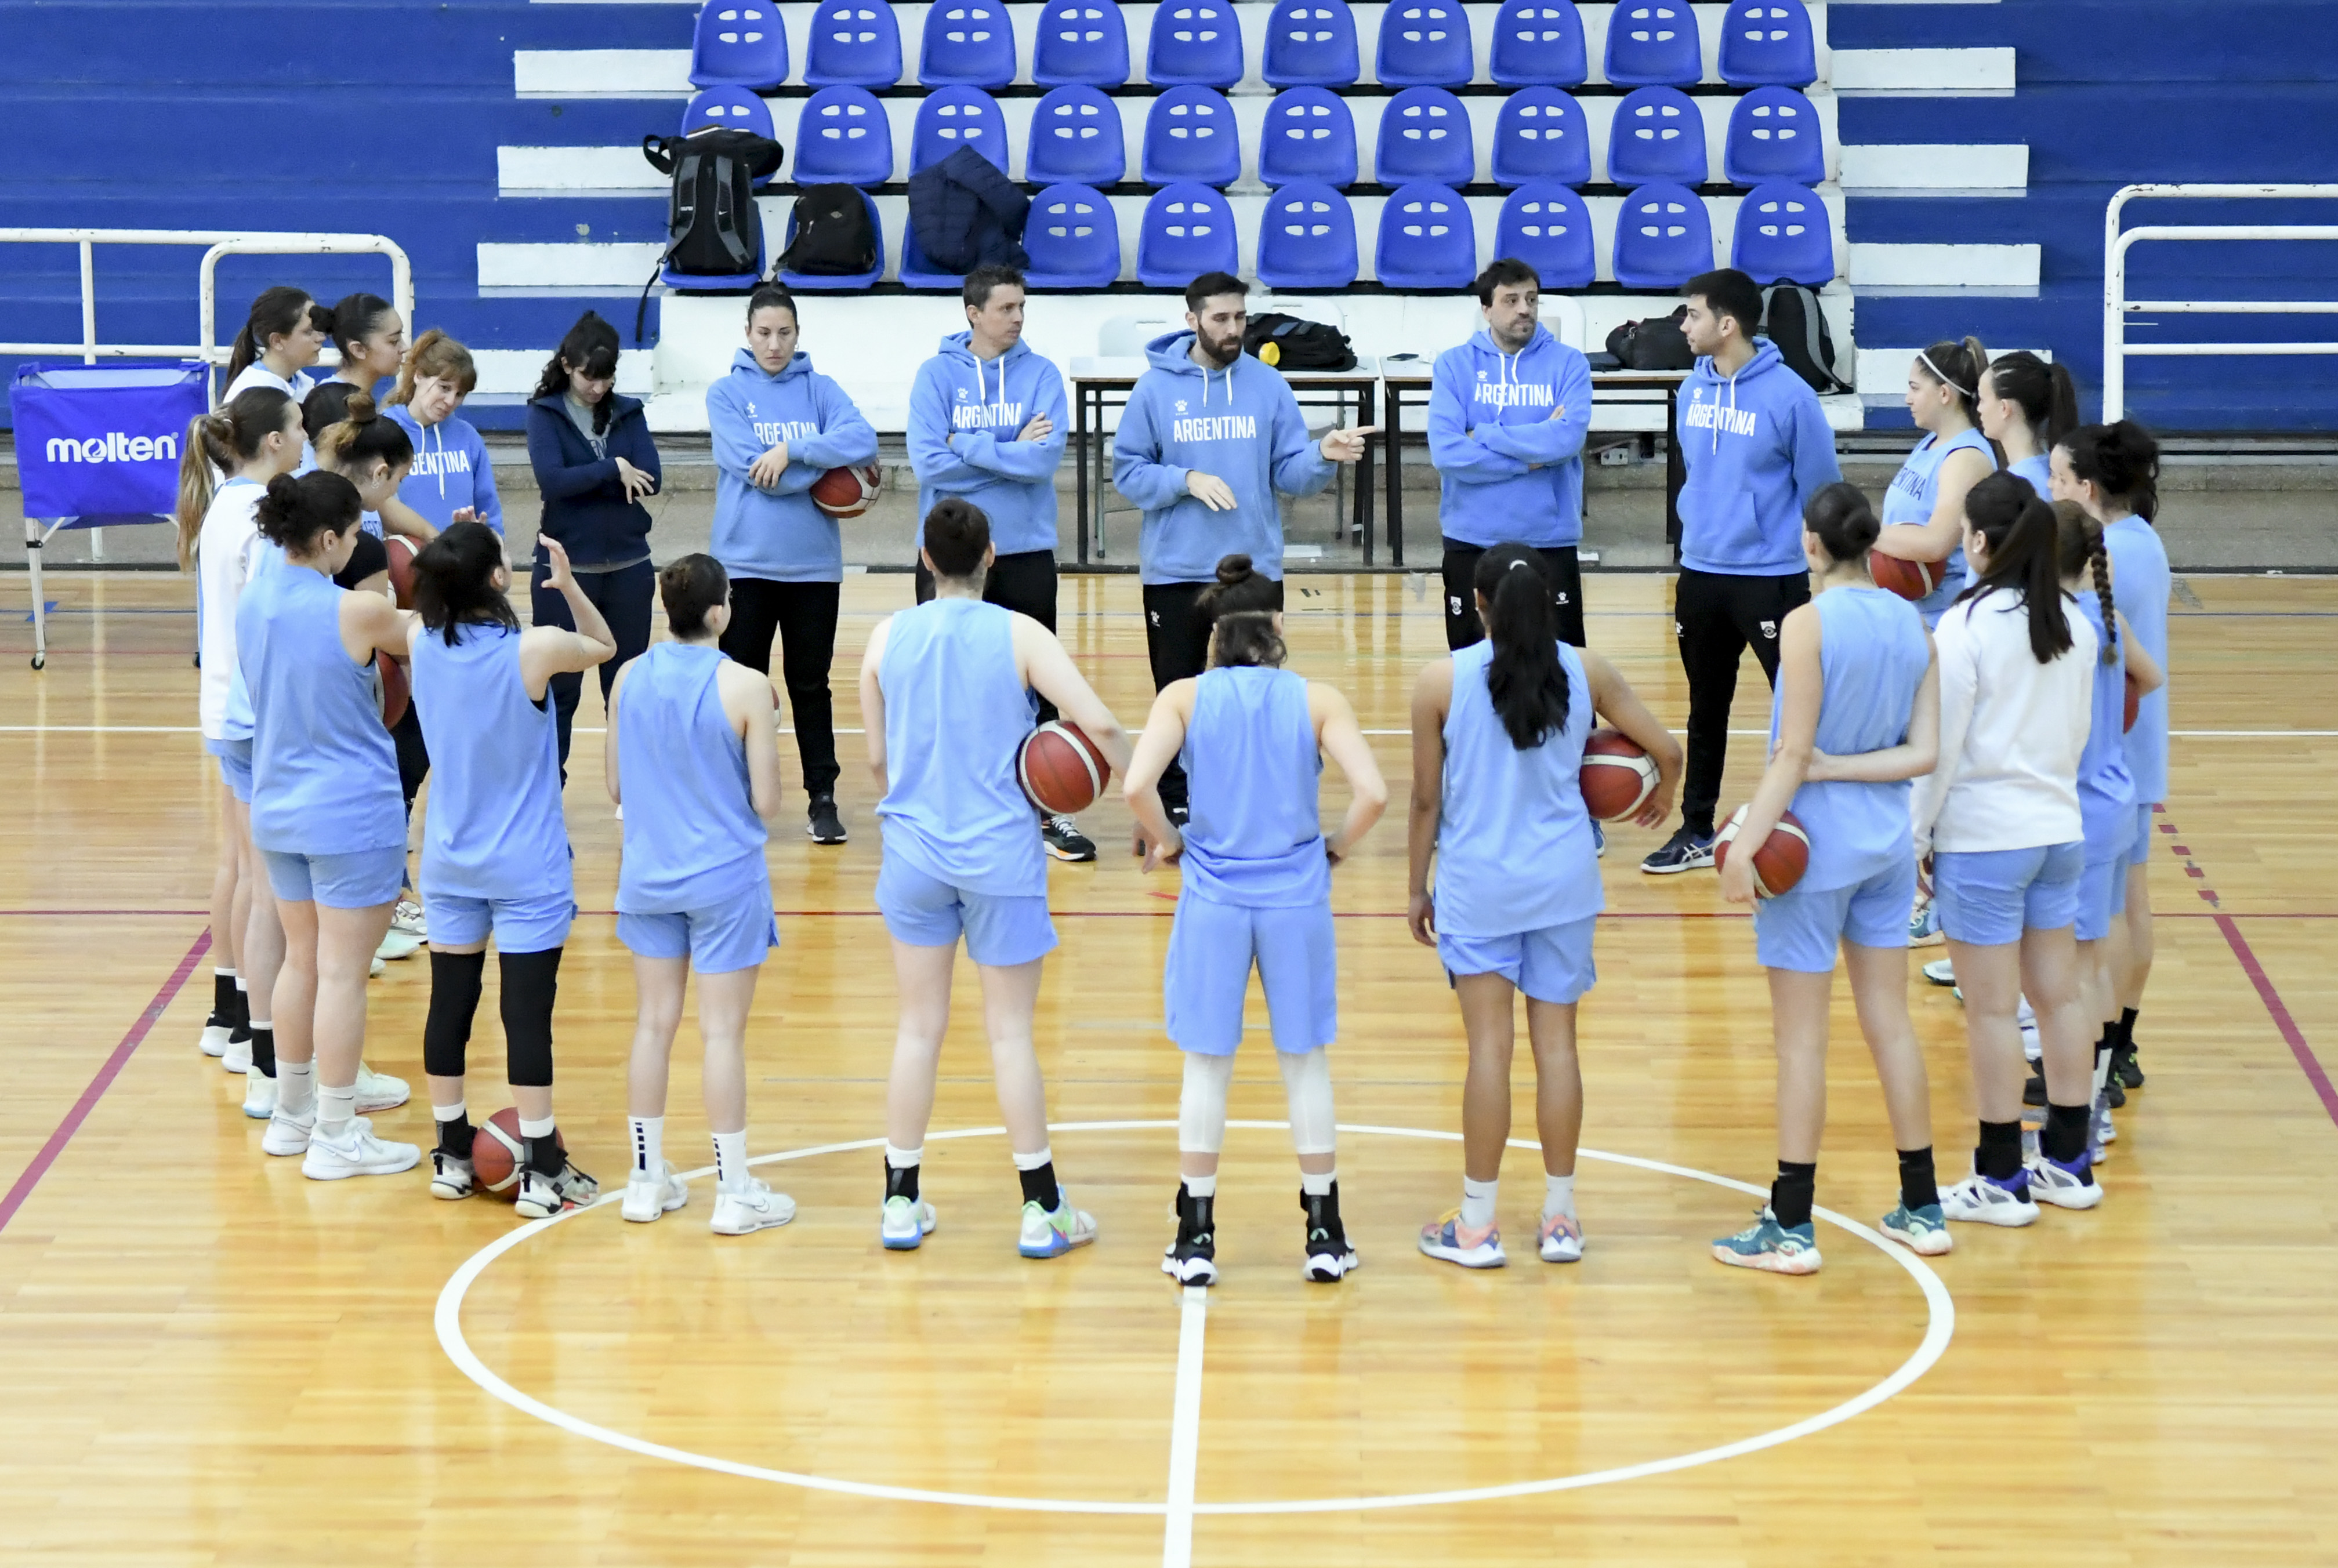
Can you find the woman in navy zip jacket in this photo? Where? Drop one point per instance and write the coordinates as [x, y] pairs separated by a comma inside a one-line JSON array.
[[593, 462]]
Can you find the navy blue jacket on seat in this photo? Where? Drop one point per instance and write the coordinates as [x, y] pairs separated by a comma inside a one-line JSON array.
[[584, 504], [967, 214]]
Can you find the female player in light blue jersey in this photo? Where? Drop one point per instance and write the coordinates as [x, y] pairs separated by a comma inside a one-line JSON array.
[[1857, 715], [694, 764], [2026, 406], [1257, 891], [1498, 734], [1923, 512], [326, 814], [2113, 471], [946, 697], [494, 846]]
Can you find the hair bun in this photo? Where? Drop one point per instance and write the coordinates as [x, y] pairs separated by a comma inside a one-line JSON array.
[[324, 318], [359, 409], [1234, 571], [283, 489]]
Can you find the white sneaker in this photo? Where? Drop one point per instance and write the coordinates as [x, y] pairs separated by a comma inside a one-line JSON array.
[[214, 1040], [750, 1207], [450, 1179], [541, 1197], [237, 1057], [379, 1090], [397, 945], [1051, 1234], [286, 1135], [1983, 1201], [258, 1096], [407, 917], [356, 1152], [379, 969], [2051, 1181], [648, 1196], [905, 1223]]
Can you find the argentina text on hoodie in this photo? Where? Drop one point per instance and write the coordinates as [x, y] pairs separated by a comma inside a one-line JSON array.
[[1240, 424], [451, 471], [778, 534], [1506, 433], [964, 416], [1757, 447]]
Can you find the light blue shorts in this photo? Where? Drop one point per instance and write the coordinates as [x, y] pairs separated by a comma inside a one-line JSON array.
[[1552, 965], [1801, 928], [1001, 929], [520, 924], [235, 766], [2102, 898], [1988, 897], [1212, 948], [354, 881], [2139, 852], [717, 940]]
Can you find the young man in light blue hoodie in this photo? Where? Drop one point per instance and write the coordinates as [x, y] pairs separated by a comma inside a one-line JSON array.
[[1508, 411], [777, 426], [987, 425], [1210, 437], [1757, 447]]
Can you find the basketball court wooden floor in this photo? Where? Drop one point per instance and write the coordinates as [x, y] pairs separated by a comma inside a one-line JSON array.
[[209, 1359]]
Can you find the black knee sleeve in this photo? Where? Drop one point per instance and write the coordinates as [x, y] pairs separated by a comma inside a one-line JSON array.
[[531, 983], [454, 999]]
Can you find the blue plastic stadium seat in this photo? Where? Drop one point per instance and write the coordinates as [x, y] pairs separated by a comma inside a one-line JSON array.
[[1075, 140], [1189, 134], [812, 283], [1307, 239], [1188, 231], [917, 269], [1663, 238], [966, 43], [1073, 238], [1080, 44], [1425, 44], [1658, 133], [954, 117], [1540, 134], [1548, 226], [739, 44], [1765, 42], [1653, 43], [733, 108], [1425, 135], [1310, 134], [1783, 237], [853, 43], [1426, 239], [843, 136], [1312, 44], [1538, 44], [1194, 44], [1773, 134]]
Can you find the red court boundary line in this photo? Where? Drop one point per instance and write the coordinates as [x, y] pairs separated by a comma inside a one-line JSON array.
[[2307, 1061], [98, 1085]]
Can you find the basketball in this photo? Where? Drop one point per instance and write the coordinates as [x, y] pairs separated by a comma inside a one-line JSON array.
[[402, 551], [389, 689], [2133, 705], [1908, 579], [1617, 777], [1060, 769], [498, 1153], [849, 491], [1781, 861]]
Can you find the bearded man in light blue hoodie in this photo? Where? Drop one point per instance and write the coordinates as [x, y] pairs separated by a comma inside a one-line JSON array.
[[1210, 437]]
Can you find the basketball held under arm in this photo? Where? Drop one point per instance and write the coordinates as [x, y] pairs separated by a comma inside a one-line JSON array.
[[1432, 699], [2143, 672], [1937, 538], [1802, 690], [1613, 698], [1343, 740], [371, 624], [1045, 667]]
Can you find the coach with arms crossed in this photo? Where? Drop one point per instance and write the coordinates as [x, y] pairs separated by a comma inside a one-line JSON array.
[[1209, 438]]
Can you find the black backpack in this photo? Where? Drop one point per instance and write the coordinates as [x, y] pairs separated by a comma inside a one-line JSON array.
[[833, 236], [1653, 345], [713, 230], [1791, 320], [1289, 343]]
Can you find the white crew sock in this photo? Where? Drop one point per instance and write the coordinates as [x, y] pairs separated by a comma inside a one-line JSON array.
[[1318, 1186], [335, 1109], [1202, 1186], [1033, 1161], [458, 1112], [1477, 1202], [1557, 1196], [649, 1145], [296, 1089], [532, 1128], [731, 1161], [904, 1159]]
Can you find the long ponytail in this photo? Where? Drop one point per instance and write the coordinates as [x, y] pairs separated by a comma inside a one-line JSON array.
[[217, 441], [2024, 556], [2078, 541], [2048, 397], [276, 313], [1528, 686]]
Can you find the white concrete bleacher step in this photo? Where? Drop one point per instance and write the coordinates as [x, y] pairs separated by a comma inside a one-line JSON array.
[[1987, 73], [1934, 169]]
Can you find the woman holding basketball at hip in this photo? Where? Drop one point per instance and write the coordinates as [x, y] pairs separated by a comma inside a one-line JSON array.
[[1857, 715], [2001, 818], [946, 696], [1924, 511], [494, 846], [1498, 735], [1257, 874]]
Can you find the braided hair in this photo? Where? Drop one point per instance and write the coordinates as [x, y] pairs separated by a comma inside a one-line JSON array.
[[2078, 545]]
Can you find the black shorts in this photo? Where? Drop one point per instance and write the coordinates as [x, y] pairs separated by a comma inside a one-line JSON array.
[[1560, 565]]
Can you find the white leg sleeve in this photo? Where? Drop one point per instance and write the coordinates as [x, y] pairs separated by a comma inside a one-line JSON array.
[[1202, 1104], [1308, 1080]]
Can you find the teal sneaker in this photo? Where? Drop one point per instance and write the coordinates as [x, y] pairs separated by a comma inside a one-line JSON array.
[[1923, 1231], [1051, 1235], [1769, 1246], [1924, 924]]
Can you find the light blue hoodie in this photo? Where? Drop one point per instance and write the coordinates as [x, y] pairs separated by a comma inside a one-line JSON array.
[[777, 536], [964, 412], [1507, 469], [1240, 424], [451, 471], [1757, 447]]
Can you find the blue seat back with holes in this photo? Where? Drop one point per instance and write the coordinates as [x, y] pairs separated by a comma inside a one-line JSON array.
[[1768, 41], [966, 43], [1425, 44], [1773, 134], [1540, 134], [1783, 237], [1658, 133], [732, 108], [739, 44], [843, 136], [1548, 226], [1537, 42], [1075, 140], [1309, 135], [954, 117], [1425, 135], [853, 43], [1194, 44], [1312, 44], [1654, 42], [1426, 239], [1188, 231], [1073, 238], [1307, 239], [1663, 238], [1080, 43], [1189, 134]]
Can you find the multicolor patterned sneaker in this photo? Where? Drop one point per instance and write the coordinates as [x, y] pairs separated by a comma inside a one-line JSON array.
[[1923, 1231], [1771, 1247], [1046, 1235], [1469, 1246], [2070, 1186], [1988, 1202], [1562, 1238], [1924, 924], [905, 1223]]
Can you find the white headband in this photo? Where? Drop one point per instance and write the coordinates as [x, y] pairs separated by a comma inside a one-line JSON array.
[[1945, 379]]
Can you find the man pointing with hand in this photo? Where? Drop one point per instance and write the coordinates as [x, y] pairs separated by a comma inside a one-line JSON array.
[[1210, 437]]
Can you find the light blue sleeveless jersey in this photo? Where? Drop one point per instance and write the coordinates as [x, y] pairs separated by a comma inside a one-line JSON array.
[[1514, 847], [692, 840], [2106, 787], [2039, 471], [1872, 655], [2142, 581], [235, 723], [324, 771], [1915, 492], [1256, 836], [494, 828]]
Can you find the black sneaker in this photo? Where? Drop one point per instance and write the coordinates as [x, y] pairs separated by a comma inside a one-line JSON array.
[[1064, 841], [1683, 851], [2123, 1069], [2113, 1093], [1192, 1258], [825, 827], [2034, 1092], [1329, 1256]]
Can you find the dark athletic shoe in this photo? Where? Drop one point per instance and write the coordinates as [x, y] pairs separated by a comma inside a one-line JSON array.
[[1192, 1258], [1064, 841], [1330, 1257], [825, 827], [2123, 1069], [1683, 851], [2033, 1092]]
